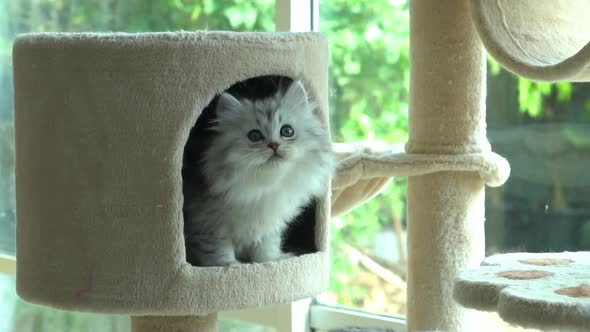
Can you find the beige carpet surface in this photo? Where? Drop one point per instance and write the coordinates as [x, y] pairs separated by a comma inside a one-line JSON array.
[[541, 40], [101, 122]]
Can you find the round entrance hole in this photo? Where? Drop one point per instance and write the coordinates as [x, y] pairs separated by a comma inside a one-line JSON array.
[[299, 236]]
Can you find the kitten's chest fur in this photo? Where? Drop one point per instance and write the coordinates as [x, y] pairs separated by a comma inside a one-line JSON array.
[[255, 207], [268, 214]]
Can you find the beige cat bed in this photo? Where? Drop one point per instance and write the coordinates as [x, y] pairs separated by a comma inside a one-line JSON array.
[[101, 123]]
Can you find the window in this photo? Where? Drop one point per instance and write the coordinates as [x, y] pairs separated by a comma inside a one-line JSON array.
[[369, 77], [544, 131]]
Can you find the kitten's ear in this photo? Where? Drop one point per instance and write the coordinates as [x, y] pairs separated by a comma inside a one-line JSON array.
[[296, 96], [227, 103]]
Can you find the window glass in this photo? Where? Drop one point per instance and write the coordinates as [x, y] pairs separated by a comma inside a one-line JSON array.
[[369, 81], [542, 129]]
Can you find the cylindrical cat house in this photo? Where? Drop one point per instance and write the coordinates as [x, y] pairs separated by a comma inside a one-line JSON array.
[[102, 121]]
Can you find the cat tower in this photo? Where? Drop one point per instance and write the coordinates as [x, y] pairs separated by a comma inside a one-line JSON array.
[[101, 122], [547, 41]]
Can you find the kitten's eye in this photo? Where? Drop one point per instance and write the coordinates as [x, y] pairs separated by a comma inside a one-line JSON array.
[[287, 131], [255, 135]]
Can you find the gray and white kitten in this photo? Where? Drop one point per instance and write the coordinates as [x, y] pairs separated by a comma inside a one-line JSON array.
[[267, 159]]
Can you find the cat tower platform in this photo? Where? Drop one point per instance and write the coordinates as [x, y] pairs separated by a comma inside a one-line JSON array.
[[546, 41], [533, 290]]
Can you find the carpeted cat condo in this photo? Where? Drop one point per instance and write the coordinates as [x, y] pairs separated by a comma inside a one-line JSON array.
[[102, 122]]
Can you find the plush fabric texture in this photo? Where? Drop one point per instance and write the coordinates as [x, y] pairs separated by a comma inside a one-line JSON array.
[[532, 290], [364, 171], [101, 122], [447, 117], [541, 40]]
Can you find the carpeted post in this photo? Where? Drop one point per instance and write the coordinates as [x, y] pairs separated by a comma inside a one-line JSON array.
[[447, 116]]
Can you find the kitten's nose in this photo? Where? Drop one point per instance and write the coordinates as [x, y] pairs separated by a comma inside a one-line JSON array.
[[274, 146]]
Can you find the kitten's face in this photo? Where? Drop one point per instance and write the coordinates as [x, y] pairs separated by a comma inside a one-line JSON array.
[[268, 133]]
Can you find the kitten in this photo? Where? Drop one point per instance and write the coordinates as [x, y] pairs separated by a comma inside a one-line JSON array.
[[267, 159]]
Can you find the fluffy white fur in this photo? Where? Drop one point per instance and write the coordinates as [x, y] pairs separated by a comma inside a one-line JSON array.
[[254, 191]]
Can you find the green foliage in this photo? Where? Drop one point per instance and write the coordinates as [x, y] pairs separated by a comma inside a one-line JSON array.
[[369, 76], [532, 95], [577, 136], [141, 15], [493, 66], [369, 68]]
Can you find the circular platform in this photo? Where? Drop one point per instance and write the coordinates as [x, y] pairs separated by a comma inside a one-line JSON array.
[[533, 290]]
